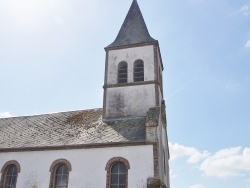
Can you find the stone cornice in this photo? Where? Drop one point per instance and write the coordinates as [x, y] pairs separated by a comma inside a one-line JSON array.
[[131, 45], [131, 84], [78, 146]]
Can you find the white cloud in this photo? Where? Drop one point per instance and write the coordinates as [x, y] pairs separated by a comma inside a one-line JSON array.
[[5, 115], [224, 163], [227, 163], [247, 45], [181, 88], [233, 87], [194, 156], [245, 10], [247, 181], [197, 186], [172, 174]]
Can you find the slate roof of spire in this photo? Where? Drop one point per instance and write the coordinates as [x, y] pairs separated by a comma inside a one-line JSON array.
[[72, 128], [133, 30]]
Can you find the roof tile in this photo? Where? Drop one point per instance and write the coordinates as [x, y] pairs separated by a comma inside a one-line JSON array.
[[68, 128]]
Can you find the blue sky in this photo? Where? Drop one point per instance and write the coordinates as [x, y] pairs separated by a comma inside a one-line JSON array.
[[52, 59]]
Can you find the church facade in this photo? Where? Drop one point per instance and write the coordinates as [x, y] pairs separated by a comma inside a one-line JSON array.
[[122, 145]]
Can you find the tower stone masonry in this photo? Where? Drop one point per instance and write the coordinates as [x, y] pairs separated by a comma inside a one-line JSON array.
[[133, 44]]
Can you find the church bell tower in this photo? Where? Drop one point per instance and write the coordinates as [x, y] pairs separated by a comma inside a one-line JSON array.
[[133, 70]]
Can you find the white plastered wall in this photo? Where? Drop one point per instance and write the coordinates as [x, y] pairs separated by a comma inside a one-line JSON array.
[[130, 100], [88, 166]]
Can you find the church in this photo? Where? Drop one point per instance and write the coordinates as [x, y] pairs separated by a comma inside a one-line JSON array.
[[124, 144]]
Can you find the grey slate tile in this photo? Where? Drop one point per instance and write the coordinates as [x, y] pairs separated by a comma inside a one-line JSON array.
[[68, 128]]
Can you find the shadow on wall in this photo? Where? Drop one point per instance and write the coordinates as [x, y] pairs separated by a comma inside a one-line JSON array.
[[131, 129]]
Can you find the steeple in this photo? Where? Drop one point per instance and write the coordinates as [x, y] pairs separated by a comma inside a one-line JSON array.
[[133, 30], [133, 69]]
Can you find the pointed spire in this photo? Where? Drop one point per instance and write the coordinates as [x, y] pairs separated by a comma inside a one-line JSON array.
[[133, 30]]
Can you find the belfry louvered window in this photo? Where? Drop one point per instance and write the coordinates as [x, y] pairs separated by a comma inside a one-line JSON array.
[[138, 71], [122, 72]]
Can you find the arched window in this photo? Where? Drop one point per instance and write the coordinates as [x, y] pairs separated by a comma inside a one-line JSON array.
[[9, 174], [138, 71], [123, 72], [59, 174], [117, 173]]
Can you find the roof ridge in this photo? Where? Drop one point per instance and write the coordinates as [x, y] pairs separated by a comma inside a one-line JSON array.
[[50, 113]]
